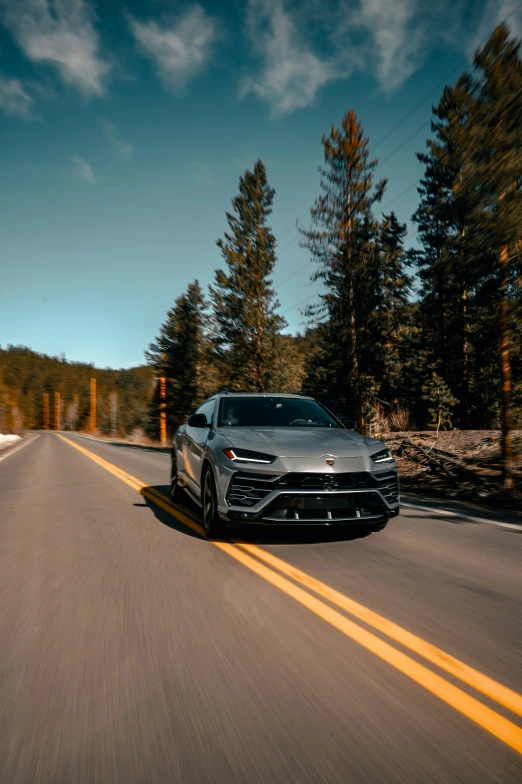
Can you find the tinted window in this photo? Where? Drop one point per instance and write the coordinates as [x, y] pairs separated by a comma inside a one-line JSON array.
[[207, 409], [273, 412]]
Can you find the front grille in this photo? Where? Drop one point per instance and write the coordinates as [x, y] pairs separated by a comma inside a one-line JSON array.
[[388, 484], [247, 489], [347, 481]]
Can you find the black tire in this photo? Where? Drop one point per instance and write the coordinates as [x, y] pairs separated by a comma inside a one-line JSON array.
[[175, 488], [213, 525]]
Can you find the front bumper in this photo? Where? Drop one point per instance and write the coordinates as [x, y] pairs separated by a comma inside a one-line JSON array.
[[361, 498]]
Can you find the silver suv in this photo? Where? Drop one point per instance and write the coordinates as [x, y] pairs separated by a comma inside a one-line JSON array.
[[281, 460]]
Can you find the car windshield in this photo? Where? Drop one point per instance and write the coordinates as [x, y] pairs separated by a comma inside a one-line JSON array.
[[273, 412]]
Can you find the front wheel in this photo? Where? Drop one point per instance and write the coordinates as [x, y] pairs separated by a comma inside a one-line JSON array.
[[211, 522]]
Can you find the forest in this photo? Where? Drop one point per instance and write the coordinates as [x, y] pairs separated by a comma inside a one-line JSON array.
[[401, 338]]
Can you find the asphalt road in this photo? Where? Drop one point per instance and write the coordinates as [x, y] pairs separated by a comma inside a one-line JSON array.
[[135, 651]]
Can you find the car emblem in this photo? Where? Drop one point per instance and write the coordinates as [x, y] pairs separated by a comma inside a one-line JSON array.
[[330, 462]]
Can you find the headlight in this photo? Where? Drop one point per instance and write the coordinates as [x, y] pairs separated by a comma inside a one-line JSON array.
[[246, 456], [384, 456]]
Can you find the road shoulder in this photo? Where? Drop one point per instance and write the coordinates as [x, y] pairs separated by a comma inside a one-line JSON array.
[[10, 450], [463, 509]]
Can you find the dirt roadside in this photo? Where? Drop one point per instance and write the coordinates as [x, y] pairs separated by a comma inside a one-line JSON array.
[[460, 464]]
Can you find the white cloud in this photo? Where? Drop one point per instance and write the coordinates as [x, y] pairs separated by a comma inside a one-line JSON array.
[[83, 169], [14, 99], [292, 73], [397, 38], [399, 35], [389, 39], [122, 147], [179, 50], [60, 33]]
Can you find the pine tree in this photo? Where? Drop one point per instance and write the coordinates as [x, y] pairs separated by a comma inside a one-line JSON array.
[[452, 149], [180, 353], [436, 393], [247, 325], [433, 234], [495, 180], [395, 284], [288, 366], [342, 241], [444, 220]]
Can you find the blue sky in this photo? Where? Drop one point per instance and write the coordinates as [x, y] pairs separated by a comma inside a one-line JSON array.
[[124, 129]]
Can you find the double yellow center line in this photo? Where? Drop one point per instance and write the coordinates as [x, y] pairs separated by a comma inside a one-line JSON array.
[[305, 589]]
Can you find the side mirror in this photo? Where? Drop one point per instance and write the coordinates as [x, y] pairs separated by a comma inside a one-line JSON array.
[[347, 422], [197, 420]]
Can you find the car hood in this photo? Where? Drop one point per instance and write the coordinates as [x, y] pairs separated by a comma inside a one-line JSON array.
[[301, 442]]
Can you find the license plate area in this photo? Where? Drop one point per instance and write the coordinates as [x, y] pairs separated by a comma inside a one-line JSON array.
[[325, 508], [324, 501]]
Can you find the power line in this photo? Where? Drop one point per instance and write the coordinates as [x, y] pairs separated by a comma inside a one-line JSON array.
[[417, 106], [437, 87], [392, 154], [383, 207], [295, 273], [414, 109], [403, 144], [396, 198], [286, 232], [289, 243], [506, 109], [308, 299]]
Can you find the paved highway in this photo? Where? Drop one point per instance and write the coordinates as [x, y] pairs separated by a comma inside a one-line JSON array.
[[135, 651]]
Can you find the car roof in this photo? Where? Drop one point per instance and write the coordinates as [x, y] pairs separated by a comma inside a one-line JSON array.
[[262, 394]]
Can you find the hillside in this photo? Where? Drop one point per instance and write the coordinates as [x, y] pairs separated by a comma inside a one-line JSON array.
[[26, 375]]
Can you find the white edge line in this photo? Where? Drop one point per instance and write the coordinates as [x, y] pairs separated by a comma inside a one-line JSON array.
[[448, 513], [14, 449]]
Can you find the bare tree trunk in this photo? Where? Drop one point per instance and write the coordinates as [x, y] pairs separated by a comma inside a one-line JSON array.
[[395, 327], [442, 317], [464, 360], [505, 374], [114, 413], [197, 368], [359, 420], [260, 385], [259, 370]]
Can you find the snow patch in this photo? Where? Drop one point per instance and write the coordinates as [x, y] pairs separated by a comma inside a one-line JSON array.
[[8, 440]]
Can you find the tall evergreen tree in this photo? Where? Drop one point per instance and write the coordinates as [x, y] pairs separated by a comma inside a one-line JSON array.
[[442, 218], [342, 241], [495, 180], [395, 284], [247, 325], [180, 353], [452, 149], [433, 234], [288, 366]]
